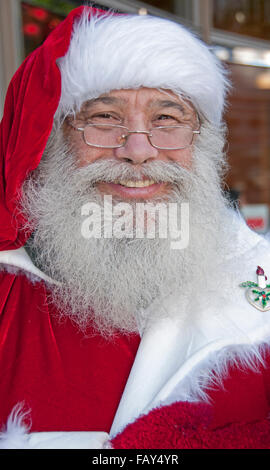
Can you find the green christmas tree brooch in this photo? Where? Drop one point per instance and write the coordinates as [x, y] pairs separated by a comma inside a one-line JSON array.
[[258, 294]]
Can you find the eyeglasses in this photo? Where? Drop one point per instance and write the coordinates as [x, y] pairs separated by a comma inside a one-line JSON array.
[[114, 136]]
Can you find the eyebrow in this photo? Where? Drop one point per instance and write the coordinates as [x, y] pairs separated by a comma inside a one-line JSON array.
[[104, 100], [168, 104], [114, 100]]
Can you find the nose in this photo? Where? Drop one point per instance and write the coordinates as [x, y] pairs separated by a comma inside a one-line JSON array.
[[137, 149]]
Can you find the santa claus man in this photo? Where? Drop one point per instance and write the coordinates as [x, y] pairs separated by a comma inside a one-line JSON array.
[[111, 338]]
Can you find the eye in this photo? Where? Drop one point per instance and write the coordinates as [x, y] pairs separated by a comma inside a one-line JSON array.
[[107, 117], [166, 117], [103, 115]]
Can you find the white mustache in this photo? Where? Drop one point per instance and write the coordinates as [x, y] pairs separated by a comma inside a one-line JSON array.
[[110, 170]]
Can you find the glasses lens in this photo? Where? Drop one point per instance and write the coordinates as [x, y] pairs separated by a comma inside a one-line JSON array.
[[172, 137], [104, 135]]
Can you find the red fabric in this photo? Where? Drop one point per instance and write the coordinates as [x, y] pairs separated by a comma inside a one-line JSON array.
[[73, 382], [69, 381], [32, 99], [186, 425], [245, 397], [236, 418]]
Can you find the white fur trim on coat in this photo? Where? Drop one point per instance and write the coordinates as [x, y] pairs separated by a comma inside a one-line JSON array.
[[16, 436], [131, 51], [19, 262]]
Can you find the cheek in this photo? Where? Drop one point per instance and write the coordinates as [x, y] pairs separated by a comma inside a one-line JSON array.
[[83, 153], [86, 155], [183, 157]]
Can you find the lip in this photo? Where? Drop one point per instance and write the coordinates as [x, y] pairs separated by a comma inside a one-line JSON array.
[[125, 192]]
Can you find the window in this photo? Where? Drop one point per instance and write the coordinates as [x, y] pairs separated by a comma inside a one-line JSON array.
[[248, 17]]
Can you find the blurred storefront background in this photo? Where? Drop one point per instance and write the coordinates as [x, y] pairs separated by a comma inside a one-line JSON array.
[[238, 31]]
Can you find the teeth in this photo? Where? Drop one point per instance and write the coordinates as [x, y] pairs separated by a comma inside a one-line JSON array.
[[136, 184]]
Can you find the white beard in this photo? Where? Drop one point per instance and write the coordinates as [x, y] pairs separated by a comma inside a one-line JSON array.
[[109, 283]]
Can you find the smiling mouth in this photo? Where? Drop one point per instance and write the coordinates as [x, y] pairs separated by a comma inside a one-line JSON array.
[[135, 184], [142, 189]]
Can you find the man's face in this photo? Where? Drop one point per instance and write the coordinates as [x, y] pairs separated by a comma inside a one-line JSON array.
[[111, 281], [141, 109]]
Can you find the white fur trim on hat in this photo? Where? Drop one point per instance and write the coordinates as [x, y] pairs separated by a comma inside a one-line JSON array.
[[113, 52]]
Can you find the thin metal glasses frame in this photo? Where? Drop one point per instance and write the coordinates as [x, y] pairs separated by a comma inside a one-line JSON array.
[[128, 132]]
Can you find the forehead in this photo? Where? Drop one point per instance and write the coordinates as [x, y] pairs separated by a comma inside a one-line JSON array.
[[142, 97]]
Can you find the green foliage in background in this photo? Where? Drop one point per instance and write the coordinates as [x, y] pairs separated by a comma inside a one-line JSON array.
[[60, 7]]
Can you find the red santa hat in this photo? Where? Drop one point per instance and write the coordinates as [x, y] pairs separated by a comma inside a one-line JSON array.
[[31, 102], [92, 52]]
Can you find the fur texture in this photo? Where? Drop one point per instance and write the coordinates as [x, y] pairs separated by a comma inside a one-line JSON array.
[[15, 434], [212, 372], [130, 51], [188, 426]]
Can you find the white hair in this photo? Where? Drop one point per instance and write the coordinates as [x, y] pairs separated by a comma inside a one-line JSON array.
[[109, 283]]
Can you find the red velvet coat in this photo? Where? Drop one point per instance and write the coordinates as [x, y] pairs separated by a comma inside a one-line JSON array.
[[73, 382]]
